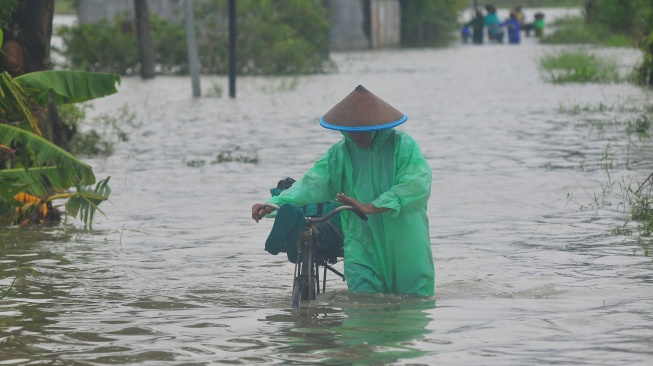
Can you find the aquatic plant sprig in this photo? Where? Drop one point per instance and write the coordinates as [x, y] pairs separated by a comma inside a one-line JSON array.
[[226, 156], [628, 194], [229, 156], [21, 272]]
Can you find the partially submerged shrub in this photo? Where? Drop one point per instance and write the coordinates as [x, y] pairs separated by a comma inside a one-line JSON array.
[[579, 66], [99, 135]]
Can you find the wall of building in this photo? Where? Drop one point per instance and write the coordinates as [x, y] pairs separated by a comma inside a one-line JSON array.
[[347, 31], [364, 24], [385, 23]]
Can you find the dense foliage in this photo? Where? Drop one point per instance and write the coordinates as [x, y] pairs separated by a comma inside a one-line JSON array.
[[429, 22], [630, 17], [105, 46], [615, 23], [274, 37], [575, 30], [618, 15], [645, 22], [7, 8]]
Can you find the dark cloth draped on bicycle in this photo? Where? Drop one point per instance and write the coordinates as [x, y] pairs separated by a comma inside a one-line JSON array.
[[391, 252], [289, 222]]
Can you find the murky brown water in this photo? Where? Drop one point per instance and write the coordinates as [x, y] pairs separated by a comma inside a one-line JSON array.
[[176, 273]]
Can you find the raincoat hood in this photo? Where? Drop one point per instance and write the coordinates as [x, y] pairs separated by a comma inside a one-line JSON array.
[[378, 137]]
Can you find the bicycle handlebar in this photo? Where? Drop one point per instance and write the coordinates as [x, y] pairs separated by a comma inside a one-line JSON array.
[[319, 219]]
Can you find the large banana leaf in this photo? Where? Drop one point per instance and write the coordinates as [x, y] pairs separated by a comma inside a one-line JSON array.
[[58, 168], [71, 86]]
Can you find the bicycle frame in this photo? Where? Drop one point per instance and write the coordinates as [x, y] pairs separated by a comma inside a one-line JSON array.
[[306, 283]]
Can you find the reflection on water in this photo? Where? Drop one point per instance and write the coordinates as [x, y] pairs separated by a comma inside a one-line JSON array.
[[177, 273], [368, 330], [382, 334]]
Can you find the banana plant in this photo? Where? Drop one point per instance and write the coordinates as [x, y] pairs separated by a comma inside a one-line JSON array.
[[15, 104], [33, 165], [57, 170]]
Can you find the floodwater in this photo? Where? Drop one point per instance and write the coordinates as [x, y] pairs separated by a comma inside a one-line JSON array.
[[176, 274]]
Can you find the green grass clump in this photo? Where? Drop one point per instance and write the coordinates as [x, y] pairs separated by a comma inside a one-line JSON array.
[[579, 66]]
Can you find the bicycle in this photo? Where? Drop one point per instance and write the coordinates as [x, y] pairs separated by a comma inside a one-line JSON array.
[[306, 282]]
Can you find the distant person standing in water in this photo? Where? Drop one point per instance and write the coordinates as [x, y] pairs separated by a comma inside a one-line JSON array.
[[519, 13], [493, 24], [537, 25], [477, 24], [514, 29]]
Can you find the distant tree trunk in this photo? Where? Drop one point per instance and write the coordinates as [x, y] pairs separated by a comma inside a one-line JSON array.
[[27, 49], [145, 49], [592, 11]]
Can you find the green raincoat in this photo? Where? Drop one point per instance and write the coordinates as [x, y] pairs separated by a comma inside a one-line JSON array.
[[391, 252]]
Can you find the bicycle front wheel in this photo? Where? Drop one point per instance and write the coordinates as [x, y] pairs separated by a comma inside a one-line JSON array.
[[304, 287], [297, 292]]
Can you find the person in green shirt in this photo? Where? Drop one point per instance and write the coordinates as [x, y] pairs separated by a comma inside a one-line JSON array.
[[380, 171], [539, 24]]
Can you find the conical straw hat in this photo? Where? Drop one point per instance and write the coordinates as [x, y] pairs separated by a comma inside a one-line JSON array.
[[362, 111]]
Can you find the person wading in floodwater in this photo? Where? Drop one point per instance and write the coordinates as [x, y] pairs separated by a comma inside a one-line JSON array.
[[381, 172]]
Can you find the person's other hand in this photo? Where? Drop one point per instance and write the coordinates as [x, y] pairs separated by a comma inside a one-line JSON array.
[[258, 212], [349, 201]]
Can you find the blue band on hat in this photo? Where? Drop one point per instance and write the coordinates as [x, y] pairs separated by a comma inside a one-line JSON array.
[[325, 124]]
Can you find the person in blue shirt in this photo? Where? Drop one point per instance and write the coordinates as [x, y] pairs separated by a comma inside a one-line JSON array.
[[514, 28]]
